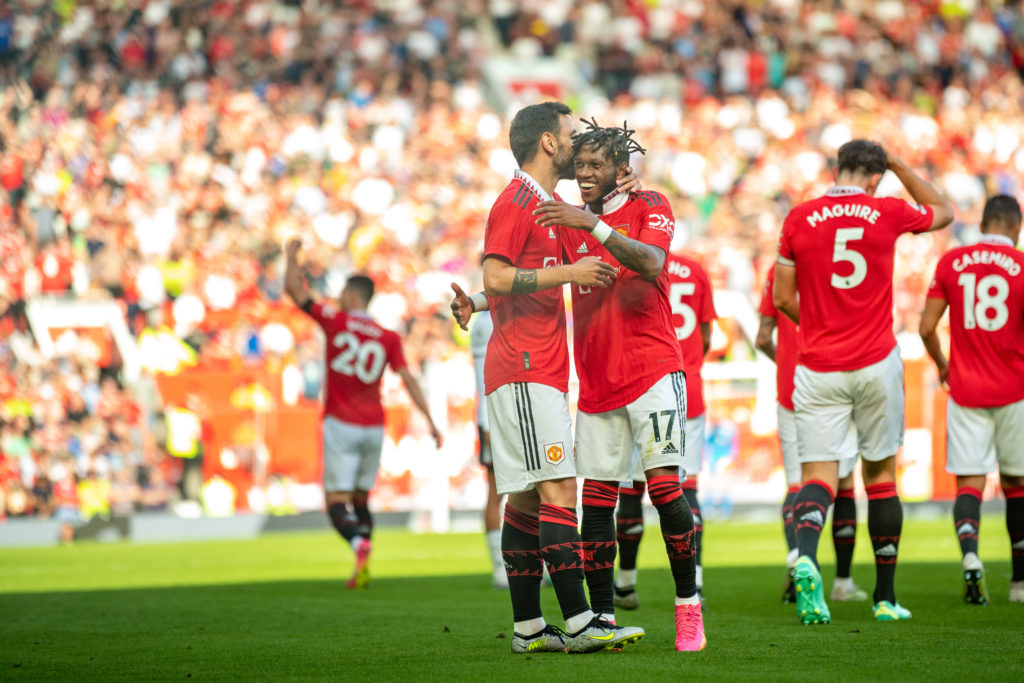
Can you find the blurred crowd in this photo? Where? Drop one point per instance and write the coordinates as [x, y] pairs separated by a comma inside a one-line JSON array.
[[158, 153]]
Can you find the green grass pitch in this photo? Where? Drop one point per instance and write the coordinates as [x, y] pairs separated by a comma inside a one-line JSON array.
[[275, 609]]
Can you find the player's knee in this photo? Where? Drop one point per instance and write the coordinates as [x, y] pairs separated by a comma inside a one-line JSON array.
[[879, 471]]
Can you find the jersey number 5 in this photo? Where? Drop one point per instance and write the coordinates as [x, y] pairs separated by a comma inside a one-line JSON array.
[[979, 299], [364, 359], [840, 252], [676, 292]]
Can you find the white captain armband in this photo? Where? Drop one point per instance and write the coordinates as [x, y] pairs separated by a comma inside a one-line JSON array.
[[601, 232]]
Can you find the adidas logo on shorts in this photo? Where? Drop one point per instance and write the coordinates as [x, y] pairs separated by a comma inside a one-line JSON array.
[[670, 448], [583, 249]]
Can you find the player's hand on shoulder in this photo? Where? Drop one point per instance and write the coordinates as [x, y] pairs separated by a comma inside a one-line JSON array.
[[591, 271], [462, 307], [559, 213], [627, 183]]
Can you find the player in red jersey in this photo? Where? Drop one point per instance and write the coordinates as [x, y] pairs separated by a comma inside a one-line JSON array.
[[693, 307], [357, 350], [632, 385], [983, 285], [837, 252], [844, 511], [526, 376]]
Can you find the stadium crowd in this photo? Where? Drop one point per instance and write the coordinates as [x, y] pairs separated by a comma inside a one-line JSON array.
[[159, 155]]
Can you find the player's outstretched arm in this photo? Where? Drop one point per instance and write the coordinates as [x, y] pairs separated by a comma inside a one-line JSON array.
[[930, 317], [645, 259], [923, 192], [294, 285], [464, 306], [784, 292], [502, 278], [412, 387], [764, 342]]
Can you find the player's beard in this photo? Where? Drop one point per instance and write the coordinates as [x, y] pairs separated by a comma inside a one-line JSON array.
[[564, 163]]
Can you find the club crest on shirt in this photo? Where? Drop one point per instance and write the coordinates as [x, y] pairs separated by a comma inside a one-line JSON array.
[[622, 229], [554, 453]]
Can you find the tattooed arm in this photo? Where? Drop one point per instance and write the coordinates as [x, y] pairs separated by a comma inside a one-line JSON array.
[[501, 277], [645, 259], [642, 258]]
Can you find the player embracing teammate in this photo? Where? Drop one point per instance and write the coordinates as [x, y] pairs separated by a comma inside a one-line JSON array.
[[837, 253]]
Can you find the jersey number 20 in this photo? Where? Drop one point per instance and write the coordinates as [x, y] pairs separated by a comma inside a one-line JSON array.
[[362, 358]]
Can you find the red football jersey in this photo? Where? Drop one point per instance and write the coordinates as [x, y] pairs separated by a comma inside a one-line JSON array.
[[528, 342], [984, 286], [357, 349], [693, 303], [842, 245], [624, 340], [786, 344]]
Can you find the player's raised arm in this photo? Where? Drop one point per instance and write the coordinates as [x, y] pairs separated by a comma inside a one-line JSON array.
[[502, 278], [923, 192], [294, 285], [930, 317], [645, 259]]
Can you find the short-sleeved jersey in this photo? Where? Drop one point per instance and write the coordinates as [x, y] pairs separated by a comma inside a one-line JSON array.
[[357, 350], [842, 245], [786, 344], [693, 303], [528, 343], [624, 340], [479, 336], [984, 286]]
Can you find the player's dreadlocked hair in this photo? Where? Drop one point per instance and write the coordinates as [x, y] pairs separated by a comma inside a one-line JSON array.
[[618, 143]]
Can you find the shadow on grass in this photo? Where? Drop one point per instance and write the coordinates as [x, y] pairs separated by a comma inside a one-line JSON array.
[[458, 628]]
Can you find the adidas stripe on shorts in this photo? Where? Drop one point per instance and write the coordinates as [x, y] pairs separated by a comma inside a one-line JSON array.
[[531, 435], [979, 439], [654, 424]]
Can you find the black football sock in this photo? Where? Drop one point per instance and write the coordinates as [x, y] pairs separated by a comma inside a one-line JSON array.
[[598, 536], [629, 525], [677, 530], [344, 520], [690, 493], [365, 525], [788, 523], [1015, 527], [562, 550], [885, 524], [844, 531], [967, 518], [520, 550], [809, 511]]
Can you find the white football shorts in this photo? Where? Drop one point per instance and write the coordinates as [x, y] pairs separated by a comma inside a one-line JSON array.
[[980, 439], [531, 435], [870, 398], [351, 455], [791, 453], [651, 424]]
